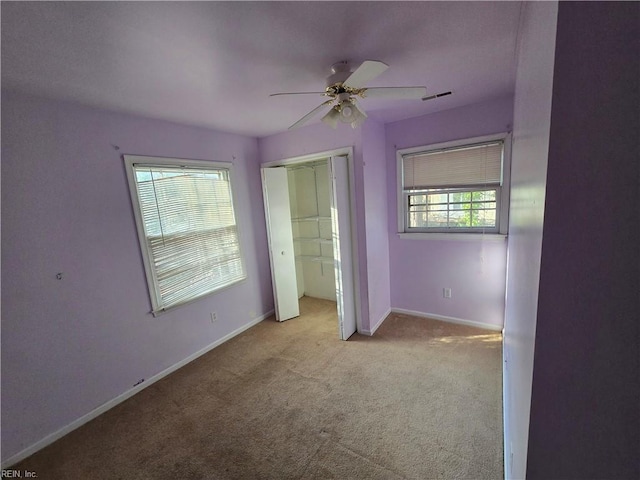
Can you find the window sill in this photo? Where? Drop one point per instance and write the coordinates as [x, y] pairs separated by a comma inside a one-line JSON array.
[[480, 237], [163, 310]]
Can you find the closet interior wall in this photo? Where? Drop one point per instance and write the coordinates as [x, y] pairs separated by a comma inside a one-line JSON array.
[[311, 223]]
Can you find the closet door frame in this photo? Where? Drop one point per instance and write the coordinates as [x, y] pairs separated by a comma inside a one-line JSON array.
[[339, 152]]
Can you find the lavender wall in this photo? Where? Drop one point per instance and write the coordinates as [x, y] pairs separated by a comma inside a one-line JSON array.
[[585, 415], [531, 120], [473, 268], [319, 138], [307, 140], [375, 185], [70, 345]]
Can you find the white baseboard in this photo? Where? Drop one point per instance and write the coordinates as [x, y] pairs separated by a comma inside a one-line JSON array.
[[443, 318], [373, 329], [49, 439]]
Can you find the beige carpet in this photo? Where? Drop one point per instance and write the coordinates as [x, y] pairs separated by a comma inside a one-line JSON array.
[[420, 399]]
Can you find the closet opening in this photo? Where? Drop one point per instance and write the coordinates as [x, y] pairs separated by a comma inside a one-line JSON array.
[[311, 228], [308, 215]]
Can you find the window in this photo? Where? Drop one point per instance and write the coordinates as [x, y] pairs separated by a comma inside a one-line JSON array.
[[186, 226], [453, 188]]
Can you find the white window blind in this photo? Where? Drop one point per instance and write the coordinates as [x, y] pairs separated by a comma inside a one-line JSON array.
[[455, 167], [190, 231]]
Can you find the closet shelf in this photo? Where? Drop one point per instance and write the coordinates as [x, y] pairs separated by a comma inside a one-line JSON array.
[[316, 240], [313, 258], [314, 218]]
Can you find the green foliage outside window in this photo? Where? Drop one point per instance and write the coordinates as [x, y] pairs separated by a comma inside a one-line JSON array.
[[453, 209]]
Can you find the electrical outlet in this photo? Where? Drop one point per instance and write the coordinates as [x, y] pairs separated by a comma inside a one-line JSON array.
[[214, 317], [446, 292]]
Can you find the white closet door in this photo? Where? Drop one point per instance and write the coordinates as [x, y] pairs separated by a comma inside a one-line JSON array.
[[342, 251], [275, 188]]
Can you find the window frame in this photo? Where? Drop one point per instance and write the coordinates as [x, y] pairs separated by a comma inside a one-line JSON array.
[[448, 191], [130, 161], [502, 199]]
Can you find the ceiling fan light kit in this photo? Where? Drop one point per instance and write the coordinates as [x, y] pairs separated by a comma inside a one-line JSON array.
[[332, 116], [343, 86], [351, 114]]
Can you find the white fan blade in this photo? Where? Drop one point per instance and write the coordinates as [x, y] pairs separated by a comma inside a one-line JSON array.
[[395, 92], [366, 72], [296, 93], [310, 115]]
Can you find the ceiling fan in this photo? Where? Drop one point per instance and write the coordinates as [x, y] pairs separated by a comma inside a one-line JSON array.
[[345, 86]]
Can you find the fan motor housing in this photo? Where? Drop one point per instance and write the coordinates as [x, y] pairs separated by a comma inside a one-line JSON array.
[[340, 72]]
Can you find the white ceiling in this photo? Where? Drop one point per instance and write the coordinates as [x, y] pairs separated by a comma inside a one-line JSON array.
[[214, 64]]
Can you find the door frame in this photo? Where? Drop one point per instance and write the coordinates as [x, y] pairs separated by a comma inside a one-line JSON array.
[[337, 152]]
